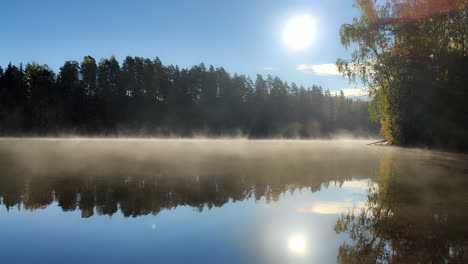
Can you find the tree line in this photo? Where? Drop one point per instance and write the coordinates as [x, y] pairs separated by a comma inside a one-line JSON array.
[[413, 55], [144, 97]]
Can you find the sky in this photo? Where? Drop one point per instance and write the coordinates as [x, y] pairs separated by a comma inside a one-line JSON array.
[[243, 36]]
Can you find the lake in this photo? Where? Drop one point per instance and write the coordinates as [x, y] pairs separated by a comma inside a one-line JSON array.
[[229, 201]]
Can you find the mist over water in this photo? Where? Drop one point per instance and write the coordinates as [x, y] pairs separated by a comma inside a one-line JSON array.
[[230, 200], [182, 157]]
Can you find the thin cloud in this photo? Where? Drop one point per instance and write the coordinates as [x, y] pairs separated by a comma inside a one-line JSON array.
[[319, 69], [270, 68]]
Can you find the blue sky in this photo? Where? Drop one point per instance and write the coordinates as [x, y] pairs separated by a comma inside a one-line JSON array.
[[243, 36]]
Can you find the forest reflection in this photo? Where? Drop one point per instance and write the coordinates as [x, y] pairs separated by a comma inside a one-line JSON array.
[[415, 213], [414, 208], [145, 177]]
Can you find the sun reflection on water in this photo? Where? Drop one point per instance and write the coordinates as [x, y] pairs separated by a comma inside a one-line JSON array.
[[297, 244]]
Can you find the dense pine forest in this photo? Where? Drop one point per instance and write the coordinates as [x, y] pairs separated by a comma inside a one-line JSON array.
[[413, 56], [144, 97]]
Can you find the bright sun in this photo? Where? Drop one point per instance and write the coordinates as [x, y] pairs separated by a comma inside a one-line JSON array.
[[299, 32]]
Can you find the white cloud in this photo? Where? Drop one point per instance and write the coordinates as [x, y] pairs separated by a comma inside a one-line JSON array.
[[351, 92], [319, 69], [355, 92]]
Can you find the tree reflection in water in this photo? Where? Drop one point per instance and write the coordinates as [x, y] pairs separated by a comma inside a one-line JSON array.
[[145, 177], [415, 213]]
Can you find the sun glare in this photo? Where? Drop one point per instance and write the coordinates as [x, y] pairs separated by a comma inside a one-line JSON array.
[[299, 32], [297, 244]]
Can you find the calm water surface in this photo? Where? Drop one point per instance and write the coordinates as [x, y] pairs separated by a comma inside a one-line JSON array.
[[229, 201]]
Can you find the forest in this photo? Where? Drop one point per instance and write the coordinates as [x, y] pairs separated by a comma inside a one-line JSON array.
[[413, 57], [143, 97]]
